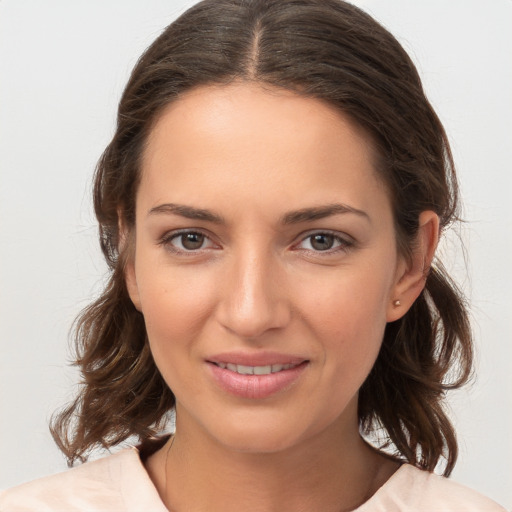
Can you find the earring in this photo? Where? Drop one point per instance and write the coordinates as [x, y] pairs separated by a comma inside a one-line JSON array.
[[397, 303]]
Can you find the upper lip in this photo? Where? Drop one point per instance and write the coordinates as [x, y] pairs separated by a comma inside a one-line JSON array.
[[256, 358]]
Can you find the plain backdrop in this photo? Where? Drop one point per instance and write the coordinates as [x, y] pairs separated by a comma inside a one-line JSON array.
[[62, 68]]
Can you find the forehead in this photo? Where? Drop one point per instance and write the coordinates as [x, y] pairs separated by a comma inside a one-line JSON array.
[[248, 140], [254, 110]]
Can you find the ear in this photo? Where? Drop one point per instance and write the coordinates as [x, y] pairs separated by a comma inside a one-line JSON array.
[[412, 273], [131, 283], [126, 250]]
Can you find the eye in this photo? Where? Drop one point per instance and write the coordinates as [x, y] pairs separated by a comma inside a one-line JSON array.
[[186, 241], [324, 242]]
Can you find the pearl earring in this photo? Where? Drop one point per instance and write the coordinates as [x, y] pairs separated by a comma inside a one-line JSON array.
[[397, 303]]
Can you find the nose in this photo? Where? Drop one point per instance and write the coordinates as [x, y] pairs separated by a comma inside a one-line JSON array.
[[253, 297]]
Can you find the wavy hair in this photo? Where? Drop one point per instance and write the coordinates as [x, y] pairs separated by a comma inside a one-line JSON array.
[[326, 49]]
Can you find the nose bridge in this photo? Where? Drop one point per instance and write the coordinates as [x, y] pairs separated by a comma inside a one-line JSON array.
[[253, 300]]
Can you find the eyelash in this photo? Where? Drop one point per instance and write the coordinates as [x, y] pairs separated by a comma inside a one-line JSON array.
[[344, 243], [169, 237]]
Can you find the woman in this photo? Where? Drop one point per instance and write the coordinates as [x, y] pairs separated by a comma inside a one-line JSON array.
[[270, 206]]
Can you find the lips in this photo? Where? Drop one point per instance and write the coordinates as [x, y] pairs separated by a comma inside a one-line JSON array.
[[256, 376]]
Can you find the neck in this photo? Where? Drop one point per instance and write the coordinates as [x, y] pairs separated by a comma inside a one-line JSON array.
[[330, 472]]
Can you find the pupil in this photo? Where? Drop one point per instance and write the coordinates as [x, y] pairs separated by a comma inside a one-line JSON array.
[[192, 240], [322, 242]]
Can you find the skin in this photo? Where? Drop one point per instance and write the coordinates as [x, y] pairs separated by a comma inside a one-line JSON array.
[[255, 284]]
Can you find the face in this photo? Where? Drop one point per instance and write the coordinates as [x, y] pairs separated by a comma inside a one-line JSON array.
[[265, 264]]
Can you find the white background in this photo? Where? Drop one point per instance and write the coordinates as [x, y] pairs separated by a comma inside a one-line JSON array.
[[62, 68]]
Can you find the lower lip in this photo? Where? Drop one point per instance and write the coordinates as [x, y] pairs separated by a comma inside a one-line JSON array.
[[256, 386]]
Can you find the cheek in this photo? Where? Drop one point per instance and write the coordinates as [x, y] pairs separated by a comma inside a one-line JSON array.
[[176, 304], [175, 310], [347, 315], [348, 301]]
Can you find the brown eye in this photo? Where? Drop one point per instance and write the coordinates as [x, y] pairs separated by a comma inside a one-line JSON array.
[[325, 242], [187, 243], [192, 241], [322, 241]]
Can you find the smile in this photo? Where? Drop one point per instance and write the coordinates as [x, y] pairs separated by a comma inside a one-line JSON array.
[[255, 370], [256, 381]]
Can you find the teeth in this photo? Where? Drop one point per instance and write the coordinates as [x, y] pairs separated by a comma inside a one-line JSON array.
[[255, 370], [262, 370], [245, 370]]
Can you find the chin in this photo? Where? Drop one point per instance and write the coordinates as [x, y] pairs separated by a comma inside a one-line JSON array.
[[272, 435]]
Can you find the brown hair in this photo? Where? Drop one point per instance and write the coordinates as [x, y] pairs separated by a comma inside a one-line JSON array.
[[327, 49]]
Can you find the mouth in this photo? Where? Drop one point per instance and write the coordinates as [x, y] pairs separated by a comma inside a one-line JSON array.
[[255, 370], [263, 378]]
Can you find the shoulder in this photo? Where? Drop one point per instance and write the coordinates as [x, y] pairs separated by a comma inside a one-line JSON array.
[[411, 489], [107, 484]]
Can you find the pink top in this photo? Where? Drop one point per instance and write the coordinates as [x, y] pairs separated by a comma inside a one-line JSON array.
[[120, 483]]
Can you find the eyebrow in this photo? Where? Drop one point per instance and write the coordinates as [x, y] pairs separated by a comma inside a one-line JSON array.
[[293, 217], [320, 212], [188, 211]]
